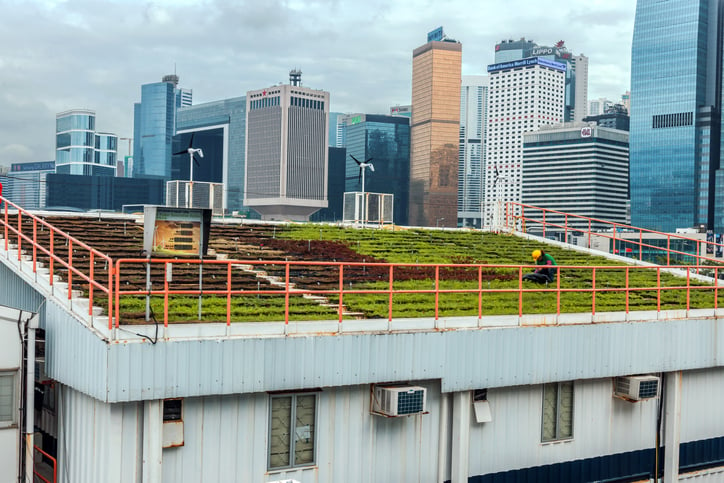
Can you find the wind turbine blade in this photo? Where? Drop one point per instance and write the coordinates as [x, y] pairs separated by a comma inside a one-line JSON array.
[[196, 160], [185, 151], [359, 176], [369, 160], [191, 141], [355, 159]]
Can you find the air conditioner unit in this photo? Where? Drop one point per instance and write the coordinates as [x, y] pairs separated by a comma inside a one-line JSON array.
[[399, 400], [636, 388]]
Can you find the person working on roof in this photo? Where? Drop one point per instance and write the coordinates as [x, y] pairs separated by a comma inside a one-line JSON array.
[[546, 273]]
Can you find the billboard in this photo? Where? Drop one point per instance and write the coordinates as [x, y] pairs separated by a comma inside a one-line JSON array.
[[435, 34], [35, 166], [176, 231], [525, 63]]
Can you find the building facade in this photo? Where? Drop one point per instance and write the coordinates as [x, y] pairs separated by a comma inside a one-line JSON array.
[[579, 169], [434, 133], [25, 184], [676, 115], [154, 125], [576, 101], [79, 149], [385, 142], [286, 151], [596, 107], [219, 129], [615, 117], [523, 96], [471, 183]]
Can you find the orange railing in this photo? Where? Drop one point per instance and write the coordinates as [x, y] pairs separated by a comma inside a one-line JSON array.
[[625, 240], [386, 284], [54, 466], [50, 249]]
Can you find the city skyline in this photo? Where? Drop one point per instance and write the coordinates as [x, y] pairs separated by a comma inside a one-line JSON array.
[[96, 55]]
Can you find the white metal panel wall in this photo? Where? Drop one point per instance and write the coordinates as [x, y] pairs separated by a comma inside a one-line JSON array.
[[10, 360], [98, 441], [225, 439], [602, 425], [702, 393]]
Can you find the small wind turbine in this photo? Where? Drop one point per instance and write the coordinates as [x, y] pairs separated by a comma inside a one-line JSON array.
[[192, 152], [362, 167]]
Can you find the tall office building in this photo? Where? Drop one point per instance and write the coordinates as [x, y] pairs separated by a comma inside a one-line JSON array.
[[523, 95], [626, 101], [473, 99], [218, 128], [596, 107], [286, 150], [576, 102], [79, 149], [434, 131], [385, 141], [154, 125], [577, 168], [676, 115]]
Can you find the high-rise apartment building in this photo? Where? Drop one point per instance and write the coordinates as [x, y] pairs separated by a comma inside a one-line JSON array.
[[576, 102], [286, 151], [676, 115], [154, 125], [523, 95], [577, 168], [626, 101], [79, 149], [385, 141], [434, 132], [473, 100]]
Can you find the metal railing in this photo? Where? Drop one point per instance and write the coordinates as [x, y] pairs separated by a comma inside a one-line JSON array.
[[37, 474], [431, 290], [58, 251], [625, 240]]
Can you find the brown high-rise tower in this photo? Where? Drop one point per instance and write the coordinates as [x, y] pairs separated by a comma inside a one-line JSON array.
[[434, 132]]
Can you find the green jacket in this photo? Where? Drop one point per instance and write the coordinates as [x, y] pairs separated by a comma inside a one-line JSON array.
[[548, 261]]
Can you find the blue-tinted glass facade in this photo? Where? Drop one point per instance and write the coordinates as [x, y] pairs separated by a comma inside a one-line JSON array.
[[385, 139], [79, 149], [154, 127], [224, 163], [675, 125]]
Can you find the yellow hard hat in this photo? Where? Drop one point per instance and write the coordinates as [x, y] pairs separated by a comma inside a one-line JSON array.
[[536, 254]]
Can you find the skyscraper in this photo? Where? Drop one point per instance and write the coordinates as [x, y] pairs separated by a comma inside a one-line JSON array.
[[154, 125], [287, 131], [473, 99], [676, 79], [434, 131], [523, 95], [386, 141], [79, 149]]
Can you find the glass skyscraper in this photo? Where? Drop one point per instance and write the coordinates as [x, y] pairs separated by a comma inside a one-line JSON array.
[[154, 125], [386, 141], [676, 106], [79, 149]]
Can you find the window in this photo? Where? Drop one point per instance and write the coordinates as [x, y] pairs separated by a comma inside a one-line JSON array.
[[292, 429], [557, 418], [172, 410], [7, 398]]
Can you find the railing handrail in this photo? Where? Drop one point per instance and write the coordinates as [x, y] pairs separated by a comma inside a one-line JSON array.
[[55, 466]]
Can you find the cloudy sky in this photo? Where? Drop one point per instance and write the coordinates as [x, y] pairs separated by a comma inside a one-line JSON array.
[[57, 55]]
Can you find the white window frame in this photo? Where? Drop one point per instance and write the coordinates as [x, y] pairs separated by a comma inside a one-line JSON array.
[[558, 412], [8, 423], [292, 438]]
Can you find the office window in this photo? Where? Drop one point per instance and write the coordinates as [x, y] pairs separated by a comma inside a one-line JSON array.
[[7, 398], [557, 420], [292, 428]]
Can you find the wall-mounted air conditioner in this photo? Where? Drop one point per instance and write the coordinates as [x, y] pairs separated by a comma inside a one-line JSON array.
[[398, 400], [636, 388]]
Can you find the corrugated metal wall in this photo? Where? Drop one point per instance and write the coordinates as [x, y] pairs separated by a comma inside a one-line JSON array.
[[225, 439]]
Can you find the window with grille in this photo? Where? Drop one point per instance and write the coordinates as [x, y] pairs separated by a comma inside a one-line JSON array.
[[292, 430], [7, 398], [557, 420]]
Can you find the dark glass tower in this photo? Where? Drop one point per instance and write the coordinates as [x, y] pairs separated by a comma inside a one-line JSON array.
[[676, 73], [386, 140]]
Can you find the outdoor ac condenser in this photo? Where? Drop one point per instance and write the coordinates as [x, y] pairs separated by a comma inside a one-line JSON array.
[[636, 388], [399, 400]]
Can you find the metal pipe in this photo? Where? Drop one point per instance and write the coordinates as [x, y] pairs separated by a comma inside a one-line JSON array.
[[32, 324]]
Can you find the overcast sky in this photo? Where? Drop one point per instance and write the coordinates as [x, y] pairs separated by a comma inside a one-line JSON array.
[[57, 55]]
